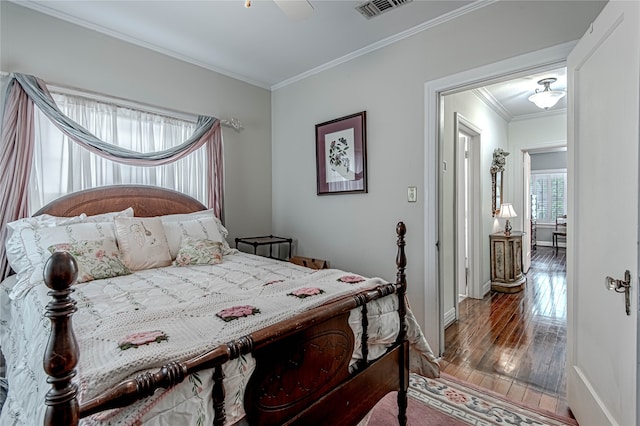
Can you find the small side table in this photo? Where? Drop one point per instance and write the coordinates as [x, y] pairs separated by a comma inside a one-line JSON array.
[[269, 240], [506, 262]]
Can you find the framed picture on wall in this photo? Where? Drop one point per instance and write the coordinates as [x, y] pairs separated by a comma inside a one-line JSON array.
[[341, 155]]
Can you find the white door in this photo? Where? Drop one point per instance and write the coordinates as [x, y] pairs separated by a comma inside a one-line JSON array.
[[526, 215], [602, 231]]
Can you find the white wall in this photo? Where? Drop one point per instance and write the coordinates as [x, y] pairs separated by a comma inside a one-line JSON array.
[[545, 131], [68, 55], [356, 232], [494, 134]]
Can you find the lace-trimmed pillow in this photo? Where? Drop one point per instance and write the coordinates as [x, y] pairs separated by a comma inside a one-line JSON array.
[[198, 251], [180, 225], [142, 242], [97, 259], [15, 246], [30, 249]]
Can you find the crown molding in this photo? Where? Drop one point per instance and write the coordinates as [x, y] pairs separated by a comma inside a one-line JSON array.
[[478, 4], [488, 99], [541, 114], [42, 8]]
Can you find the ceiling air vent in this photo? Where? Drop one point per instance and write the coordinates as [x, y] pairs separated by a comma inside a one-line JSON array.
[[374, 8]]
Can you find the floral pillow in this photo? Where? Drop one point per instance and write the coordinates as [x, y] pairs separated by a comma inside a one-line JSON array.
[[97, 259], [198, 251]]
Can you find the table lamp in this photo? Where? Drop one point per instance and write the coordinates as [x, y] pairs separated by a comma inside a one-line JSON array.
[[507, 212]]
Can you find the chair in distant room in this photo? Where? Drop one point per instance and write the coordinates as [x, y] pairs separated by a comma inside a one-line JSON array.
[[560, 232]]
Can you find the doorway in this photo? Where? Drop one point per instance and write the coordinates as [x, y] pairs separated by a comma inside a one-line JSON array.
[[446, 97], [435, 245]]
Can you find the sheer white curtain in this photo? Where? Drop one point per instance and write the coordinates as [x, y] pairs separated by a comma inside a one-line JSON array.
[[61, 166]]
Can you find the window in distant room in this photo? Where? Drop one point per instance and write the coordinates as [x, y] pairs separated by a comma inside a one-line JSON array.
[[62, 166], [549, 190]]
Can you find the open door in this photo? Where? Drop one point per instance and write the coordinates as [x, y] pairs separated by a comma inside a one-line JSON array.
[[602, 232], [526, 215]]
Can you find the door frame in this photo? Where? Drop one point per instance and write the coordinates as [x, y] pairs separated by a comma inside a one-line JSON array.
[[474, 286], [434, 90]]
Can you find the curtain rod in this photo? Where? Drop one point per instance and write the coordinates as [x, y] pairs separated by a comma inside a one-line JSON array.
[[233, 122]]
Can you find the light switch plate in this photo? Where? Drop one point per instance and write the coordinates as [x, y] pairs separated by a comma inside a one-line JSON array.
[[412, 194]]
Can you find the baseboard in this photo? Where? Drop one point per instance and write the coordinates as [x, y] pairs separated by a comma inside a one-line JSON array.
[[486, 288], [580, 393], [549, 244], [449, 317]]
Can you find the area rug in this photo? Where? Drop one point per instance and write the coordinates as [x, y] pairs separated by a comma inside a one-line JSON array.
[[449, 402]]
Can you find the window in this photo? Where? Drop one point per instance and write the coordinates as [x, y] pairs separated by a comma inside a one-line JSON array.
[[549, 192], [62, 166]]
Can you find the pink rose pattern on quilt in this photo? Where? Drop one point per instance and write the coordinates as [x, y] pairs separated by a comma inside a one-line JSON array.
[[142, 338], [306, 292], [236, 312], [351, 279]]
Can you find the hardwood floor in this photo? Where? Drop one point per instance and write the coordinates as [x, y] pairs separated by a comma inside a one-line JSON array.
[[515, 344]]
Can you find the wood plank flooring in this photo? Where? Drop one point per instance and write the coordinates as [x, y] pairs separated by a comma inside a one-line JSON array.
[[515, 344]]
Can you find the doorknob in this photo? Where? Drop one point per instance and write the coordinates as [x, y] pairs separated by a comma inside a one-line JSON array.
[[621, 286]]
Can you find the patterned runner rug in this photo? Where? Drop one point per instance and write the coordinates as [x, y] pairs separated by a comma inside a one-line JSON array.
[[448, 402]]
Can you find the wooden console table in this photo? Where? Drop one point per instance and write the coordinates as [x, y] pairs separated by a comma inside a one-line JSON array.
[[506, 262], [269, 240]]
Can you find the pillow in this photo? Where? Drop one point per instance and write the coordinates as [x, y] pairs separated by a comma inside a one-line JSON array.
[[142, 242], [173, 222], [204, 228], [97, 259], [14, 255], [198, 251], [108, 217], [30, 249]]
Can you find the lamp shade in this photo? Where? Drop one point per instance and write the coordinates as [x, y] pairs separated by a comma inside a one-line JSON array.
[[547, 98], [507, 211]]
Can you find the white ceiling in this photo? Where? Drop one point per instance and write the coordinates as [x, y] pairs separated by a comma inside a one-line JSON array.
[[262, 46]]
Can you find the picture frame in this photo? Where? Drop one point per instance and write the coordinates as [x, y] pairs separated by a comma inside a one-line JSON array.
[[341, 155]]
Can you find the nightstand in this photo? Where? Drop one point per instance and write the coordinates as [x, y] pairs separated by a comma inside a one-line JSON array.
[[506, 262], [269, 240]]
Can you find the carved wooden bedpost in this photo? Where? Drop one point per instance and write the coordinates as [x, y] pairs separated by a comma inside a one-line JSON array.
[[401, 282], [61, 356]]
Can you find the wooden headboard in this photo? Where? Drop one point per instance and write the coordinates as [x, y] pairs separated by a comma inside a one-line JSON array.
[[147, 201]]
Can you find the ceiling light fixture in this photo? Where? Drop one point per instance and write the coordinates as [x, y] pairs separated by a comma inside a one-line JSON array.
[[547, 98], [247, 3]]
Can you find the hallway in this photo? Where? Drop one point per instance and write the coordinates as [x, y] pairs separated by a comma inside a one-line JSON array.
[[515, 344]]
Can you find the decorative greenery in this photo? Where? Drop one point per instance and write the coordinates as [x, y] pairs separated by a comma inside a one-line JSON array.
[[499, 160], [142, 338], [236, 312], [351, 279], [306, 292]]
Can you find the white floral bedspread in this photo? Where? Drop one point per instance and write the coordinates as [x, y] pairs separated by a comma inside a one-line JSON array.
[[157, 315]]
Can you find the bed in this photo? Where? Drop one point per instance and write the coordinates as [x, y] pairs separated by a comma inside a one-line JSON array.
[[236, 339]]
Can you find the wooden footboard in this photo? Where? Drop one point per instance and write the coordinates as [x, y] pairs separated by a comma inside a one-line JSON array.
[[302, 365]]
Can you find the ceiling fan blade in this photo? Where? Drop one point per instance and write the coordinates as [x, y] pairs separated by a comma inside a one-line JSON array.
[[296, 10]]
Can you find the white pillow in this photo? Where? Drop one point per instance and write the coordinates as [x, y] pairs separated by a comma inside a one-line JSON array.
[[108, 217], [15, 253], [142, 242], [203, 228], [202, 214], [30, 248]]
